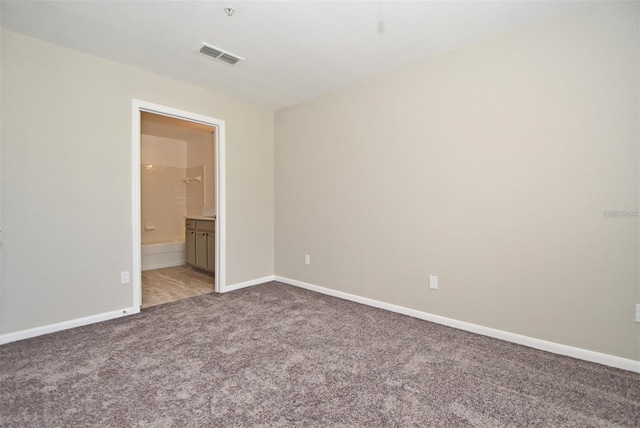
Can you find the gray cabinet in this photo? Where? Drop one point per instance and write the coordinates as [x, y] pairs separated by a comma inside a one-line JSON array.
[[200, 242], [201, 249], [190, 242]]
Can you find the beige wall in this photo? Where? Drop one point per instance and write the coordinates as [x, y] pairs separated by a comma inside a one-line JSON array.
[[66, 198], [489, 166]]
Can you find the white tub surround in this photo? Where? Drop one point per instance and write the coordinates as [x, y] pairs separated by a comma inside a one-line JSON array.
[[200, 217], [162, 254]]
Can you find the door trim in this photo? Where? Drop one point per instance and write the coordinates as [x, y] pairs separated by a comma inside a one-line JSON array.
[[139, 106]]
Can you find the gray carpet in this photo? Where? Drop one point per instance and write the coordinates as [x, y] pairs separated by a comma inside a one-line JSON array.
[[275, 355]]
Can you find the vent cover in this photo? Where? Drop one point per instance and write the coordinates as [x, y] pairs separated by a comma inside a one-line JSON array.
[[219, 54]]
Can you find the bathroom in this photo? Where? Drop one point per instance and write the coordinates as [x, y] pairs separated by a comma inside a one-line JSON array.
[[177, 182]]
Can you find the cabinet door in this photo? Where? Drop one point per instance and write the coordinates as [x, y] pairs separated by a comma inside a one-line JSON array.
[[190, 246], [211, 252], [201, 250]]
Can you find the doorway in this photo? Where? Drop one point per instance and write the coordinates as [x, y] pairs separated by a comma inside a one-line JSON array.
[[213, 203]]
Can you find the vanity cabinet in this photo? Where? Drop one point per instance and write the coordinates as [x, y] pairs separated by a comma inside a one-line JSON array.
[[200, 243], [190, 242]]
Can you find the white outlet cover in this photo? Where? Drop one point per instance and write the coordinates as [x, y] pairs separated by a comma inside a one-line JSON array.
[[433, 282], [637, 312], [124, 277]]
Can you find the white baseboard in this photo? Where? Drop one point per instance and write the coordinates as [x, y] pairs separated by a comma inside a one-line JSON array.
[[65, 325], [556, 348], [249, 283]]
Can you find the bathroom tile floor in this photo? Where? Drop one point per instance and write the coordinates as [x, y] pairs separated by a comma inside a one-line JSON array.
[[173, 283]]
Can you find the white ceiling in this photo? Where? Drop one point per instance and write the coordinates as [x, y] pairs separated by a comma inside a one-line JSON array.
[[294, 50]]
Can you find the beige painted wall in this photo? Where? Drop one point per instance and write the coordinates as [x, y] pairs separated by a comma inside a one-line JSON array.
[[66, 198], [489, 166]]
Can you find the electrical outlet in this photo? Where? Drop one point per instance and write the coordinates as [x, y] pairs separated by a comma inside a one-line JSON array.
[[307, 259], [433, 282], [637, 312], [124, 277]]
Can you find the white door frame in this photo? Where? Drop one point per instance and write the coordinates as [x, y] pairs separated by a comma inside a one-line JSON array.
[[221, 230]]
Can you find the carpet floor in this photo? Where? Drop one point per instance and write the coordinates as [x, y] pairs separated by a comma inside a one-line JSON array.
[[273, 355]]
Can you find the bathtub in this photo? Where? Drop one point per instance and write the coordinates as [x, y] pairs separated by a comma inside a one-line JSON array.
[[156, 255]]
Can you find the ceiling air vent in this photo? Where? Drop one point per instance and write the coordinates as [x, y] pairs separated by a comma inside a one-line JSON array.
[[219, 54]]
